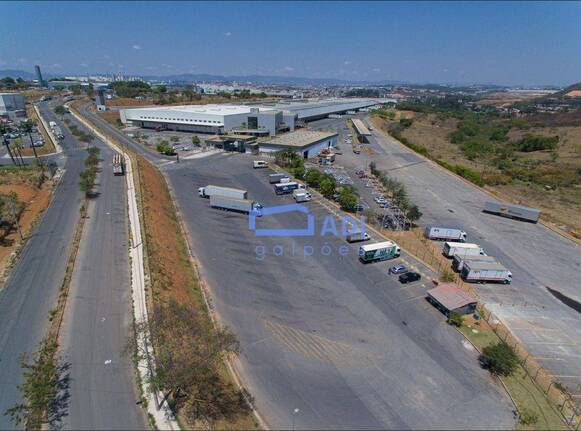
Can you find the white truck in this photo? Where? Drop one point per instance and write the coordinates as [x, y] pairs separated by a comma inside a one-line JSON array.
[[56, 130], [458, 262], [286, 188], [257, 164], [52, 124], [357, 235], [275, 178], [233, 204], [485, 272], [209, 190], [445, 234], [452, 249], [379, 251], [301, 195]]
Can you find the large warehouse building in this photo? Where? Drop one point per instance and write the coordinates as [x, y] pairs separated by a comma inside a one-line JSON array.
[[12, 103], [264, 119]]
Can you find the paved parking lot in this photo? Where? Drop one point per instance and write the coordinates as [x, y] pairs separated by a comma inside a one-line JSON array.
[[538, 258], [343, 342]]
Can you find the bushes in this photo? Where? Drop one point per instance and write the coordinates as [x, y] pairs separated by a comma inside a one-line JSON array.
[[406, 122], [165, 148], [348, 198], [89, 175], [532, 143], [455, 319], [500, 358]]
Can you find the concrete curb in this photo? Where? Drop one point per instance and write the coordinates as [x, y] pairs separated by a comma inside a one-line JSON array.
[[548, 225], [162, 415]]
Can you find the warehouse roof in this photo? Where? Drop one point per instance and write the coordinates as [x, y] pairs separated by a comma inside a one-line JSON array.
[[205, 109], [299, 138], [360, 127], [450, 296]]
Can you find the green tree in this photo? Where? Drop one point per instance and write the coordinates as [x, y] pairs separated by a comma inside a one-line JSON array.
[[314, 177], [501, 358], [327, 187], [60, 110], [347, 200], [12, 210], [455, 319], [196, 140], [413, 213], [164, 147]]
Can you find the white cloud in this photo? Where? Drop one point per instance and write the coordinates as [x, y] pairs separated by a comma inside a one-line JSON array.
[[137, 47], [289, 68], [376, 70], [56, 66], [228, 34], [347, 62], [84, 65], [107, 57]]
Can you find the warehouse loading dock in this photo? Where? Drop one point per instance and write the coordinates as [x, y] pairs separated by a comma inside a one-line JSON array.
[[449, 298], [307, 143]]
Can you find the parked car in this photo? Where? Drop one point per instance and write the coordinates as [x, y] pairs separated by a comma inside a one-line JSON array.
[[359, 207], [400, 268], [409, 277]]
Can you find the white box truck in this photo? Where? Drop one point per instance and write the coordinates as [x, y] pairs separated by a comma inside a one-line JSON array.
[[462, 249], [52, 124], [512, 211], [458, 262], [233, 204], [275, 178], [485, 272], [209, 190], [301, 195], [357, 235], [379, 251], [445, 234], [257, 164]]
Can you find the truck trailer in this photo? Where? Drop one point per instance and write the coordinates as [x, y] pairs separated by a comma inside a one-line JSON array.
[[209, 190], [458, 262], [301, 195], [379, 251], [275, 178], [462, 249], [445, 234], [118, 165], [238, 205], [357, 235], [286, 188], [485, 272], [512, 211]]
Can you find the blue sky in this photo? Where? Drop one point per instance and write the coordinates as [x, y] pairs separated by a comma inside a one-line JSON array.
[[489, 42]]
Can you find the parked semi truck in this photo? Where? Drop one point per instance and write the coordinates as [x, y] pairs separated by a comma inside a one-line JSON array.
[[285, 188], [301, 195], [357, 235], [485, 272], [445, 234], [458, 262], [209, 190], [379, 251], [234, 204], [462, 249], [512, 211], [118, 165], [275, 178]]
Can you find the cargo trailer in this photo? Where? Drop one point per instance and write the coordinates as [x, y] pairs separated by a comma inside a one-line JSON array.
[[286, 188], [445, 234], [462, 249], [301, 195], [379, 251], [238, 205], [275, 178], [512, 211], [458, 262], [118, 165], [357, 236], [485, 272], [209, 190]]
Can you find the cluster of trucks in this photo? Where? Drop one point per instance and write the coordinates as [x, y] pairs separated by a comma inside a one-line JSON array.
[[470, 260], [229, 199], [283, 185]]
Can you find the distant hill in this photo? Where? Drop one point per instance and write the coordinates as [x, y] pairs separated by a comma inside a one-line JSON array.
[[564, 91], [13, 73]]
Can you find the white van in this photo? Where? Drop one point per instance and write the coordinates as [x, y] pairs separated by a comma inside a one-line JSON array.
[[257, 164]]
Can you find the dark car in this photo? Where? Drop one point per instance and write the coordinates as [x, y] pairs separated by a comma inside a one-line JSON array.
[[409, 277]]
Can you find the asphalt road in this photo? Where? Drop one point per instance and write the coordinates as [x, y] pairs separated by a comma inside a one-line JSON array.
[[97, 322], [33, 287], [538, 257], [343, 342]]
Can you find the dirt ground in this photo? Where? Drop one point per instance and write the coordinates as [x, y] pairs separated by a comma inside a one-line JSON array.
[[172, 275], [561, 206], [110, 116], [36, 201]]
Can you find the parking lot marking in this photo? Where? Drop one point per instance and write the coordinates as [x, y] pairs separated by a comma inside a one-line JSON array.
[[317, 347]]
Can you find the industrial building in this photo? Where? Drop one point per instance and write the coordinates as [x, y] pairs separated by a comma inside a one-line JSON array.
[[257, 120], [307, 143], [12, 104]]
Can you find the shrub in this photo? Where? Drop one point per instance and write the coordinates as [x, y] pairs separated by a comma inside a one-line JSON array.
[[347, 200], [528, 417], [455, 319], [406, 122], [165, 148], [532, 143], [501, 358]]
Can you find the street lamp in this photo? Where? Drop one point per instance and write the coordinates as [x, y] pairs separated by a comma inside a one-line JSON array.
[[295, 411]]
